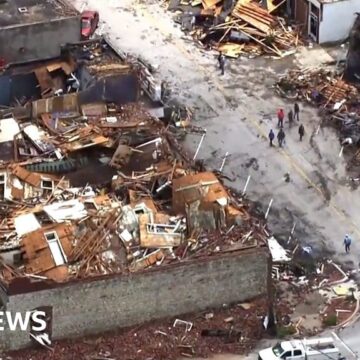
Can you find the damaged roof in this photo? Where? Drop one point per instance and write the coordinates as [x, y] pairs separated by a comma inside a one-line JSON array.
[[96, 187]]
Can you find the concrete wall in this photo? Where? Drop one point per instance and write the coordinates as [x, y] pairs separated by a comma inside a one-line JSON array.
[[337, 20], [120, 301], [38, 40]]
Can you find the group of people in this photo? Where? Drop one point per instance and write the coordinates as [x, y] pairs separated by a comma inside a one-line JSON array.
[[292, 114]]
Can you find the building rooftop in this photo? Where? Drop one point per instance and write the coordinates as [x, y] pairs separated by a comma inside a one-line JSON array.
[[19, 12]]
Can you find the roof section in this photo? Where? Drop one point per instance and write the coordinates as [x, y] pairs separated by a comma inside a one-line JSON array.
[[21, 12]]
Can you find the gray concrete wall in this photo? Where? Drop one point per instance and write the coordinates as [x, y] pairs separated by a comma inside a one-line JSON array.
[[120, 301], [38, 41]]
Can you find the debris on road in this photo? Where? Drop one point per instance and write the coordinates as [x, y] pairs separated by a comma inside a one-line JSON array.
[[321, 87], [161, 340], [237, 28], [338, 102]]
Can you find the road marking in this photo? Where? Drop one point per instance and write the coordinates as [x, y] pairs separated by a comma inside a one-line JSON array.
[[162, 28]]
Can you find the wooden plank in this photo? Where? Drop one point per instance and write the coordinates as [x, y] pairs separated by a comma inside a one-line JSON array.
[[253, 22], [44, 79], [209, 3]]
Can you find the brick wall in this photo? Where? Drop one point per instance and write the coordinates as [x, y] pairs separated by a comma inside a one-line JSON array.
[[96, 306]]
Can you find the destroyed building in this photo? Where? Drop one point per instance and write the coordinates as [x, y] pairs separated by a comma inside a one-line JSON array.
[[325, 21], [36, 29], [352, 69], [93, 71], [242, 27], [99, 200]]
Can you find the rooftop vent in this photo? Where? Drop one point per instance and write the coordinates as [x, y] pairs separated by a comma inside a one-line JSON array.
[[23, 9]]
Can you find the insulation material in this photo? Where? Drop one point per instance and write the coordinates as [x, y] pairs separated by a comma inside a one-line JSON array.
[[66, 210], [26, 223], [9, 128]]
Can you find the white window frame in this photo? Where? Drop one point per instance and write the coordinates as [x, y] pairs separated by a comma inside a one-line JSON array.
[[56, 248]]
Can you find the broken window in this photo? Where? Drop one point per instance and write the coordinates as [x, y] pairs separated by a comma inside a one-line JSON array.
[[139, 211], [89, 205], [2, 186], [47, 184], [56, 249], [43, 218]]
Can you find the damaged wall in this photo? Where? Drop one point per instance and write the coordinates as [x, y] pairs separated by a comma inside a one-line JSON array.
[[337, 19], [352, 69], [29, 42], [119, 89], [120, 301]]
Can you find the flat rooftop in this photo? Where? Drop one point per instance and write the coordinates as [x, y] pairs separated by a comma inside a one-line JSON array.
[[20, 12]]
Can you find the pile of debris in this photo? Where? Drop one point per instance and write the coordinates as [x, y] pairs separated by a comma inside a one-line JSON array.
[[338, 102], [229, 330], [322, 87], [244, 27], [84, 199], [93, 183], [310, 295]]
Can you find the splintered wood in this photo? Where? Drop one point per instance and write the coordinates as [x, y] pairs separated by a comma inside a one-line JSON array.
[[247, 28], [321, 87], [258, 25], [92, 243]]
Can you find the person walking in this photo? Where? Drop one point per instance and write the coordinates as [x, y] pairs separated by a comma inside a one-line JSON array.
[[347, 243], [221, 61], [271, 137], [192, 21], [280, 115], [281, 137], [291, 118], [301, 131], [297, 111]]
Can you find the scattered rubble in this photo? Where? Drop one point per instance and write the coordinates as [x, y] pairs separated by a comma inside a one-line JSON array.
[[322, 87], [238, 27], [338, 102], [307, 299], [192, 335], [93, 184]]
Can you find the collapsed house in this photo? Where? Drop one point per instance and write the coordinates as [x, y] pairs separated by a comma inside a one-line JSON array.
[[97, 193], [93, 71], [238, 27]]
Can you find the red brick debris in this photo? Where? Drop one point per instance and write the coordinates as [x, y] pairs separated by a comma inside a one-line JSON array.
[[234, 329]]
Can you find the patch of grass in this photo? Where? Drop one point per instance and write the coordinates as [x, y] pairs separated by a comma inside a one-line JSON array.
[[283, 331], [330, 320]]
